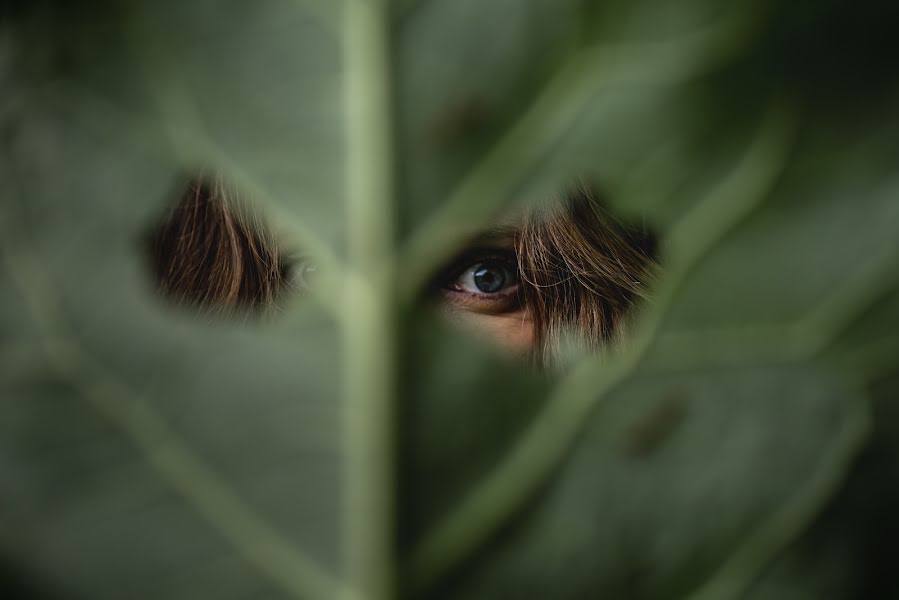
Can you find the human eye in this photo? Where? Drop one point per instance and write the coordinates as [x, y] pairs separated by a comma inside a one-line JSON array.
[[483, 281], [300, 272]]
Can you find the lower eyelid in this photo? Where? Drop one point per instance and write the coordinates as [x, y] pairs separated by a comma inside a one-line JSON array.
[[513, 290], [503, 302]]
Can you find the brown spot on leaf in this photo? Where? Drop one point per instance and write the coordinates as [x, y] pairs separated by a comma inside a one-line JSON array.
[[460, 119], [647, 435]]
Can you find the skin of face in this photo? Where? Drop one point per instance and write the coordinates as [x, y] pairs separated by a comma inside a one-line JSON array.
[[512, 332], [497, 316]]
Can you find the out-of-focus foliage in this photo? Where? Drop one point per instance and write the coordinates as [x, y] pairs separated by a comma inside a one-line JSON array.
[[742, 445]]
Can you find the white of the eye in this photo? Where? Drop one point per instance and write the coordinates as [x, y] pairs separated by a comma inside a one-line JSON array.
[[467, 279]]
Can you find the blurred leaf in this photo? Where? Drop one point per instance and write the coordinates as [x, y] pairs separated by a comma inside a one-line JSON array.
[[147, 453], [124, 471], [456, 423], [643, 510]]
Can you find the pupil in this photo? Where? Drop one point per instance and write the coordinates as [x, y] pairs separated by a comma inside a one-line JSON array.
[[489, 279]]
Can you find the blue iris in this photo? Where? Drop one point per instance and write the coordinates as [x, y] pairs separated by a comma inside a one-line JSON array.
[[490, 278]]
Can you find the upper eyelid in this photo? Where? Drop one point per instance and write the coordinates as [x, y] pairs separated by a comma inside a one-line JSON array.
[[474, 253], [472, 256]]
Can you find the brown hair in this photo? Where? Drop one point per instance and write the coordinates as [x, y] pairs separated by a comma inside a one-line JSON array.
[[580, 269], [209, 253]]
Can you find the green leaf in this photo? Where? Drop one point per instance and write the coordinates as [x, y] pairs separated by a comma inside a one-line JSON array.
[[349, 447], [677, 478], [125, 465]]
